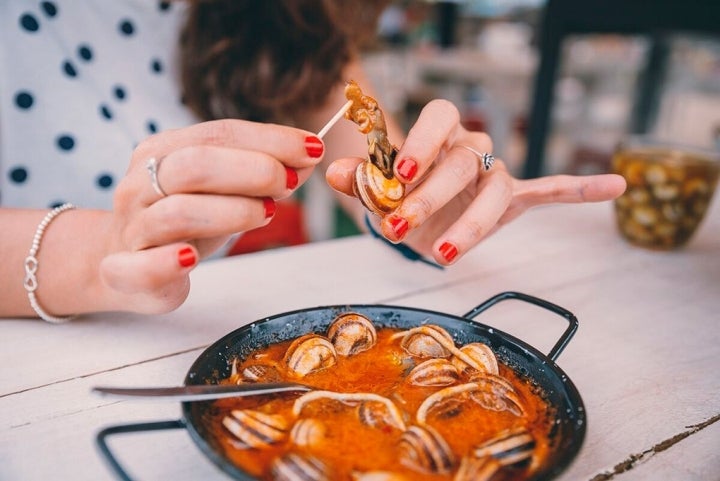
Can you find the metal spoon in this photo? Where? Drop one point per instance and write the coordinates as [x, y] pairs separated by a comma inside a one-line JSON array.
[[202, 392]]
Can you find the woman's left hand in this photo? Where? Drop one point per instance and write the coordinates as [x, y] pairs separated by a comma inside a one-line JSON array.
[[453, 203]]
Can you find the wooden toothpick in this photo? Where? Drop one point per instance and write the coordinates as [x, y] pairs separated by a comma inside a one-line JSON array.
[[335, 118]]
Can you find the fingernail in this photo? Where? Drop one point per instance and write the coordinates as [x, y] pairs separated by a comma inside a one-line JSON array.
[[399, 225], [448, 251], [292, 178], [314, 146], [407, 168], [269, 205], [186, 257]]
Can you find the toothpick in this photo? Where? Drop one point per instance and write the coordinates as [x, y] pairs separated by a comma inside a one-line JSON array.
[[335, 118]]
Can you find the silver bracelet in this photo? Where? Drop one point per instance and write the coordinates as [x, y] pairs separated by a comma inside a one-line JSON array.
[[31, 266]]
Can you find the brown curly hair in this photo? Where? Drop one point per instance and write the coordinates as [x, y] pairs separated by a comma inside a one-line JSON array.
[[269, 60]]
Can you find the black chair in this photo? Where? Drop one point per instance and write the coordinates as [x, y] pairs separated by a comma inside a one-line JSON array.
[[656, 19]]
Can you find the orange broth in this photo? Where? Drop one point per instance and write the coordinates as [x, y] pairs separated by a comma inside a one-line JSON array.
[[349, 446]]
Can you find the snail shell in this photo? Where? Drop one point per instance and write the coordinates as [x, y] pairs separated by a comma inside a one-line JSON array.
[[434, 372], [496, 394], [473, 468], [352, 333], [509, 447], [308, 432], [377, 193], [261, 373], [296, 467], [418, 343], [310, 353], [256, 429], [374, 415], [483, 356], [424, 448], [377, 476]]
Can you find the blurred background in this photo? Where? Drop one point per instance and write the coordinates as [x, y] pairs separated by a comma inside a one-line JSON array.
[[556, 83]]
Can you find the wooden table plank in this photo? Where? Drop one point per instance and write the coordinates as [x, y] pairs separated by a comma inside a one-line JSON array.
[[644, 359], [695, 458]]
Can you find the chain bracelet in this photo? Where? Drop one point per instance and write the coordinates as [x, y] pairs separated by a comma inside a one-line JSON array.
[[31, 266]]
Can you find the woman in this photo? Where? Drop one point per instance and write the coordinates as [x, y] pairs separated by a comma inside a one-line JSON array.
[[280, 66]]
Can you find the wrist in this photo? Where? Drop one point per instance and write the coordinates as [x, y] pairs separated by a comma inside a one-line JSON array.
[[98, 296], [73, 247]]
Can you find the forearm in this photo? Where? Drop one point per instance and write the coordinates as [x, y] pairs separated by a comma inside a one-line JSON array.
[[68, 258]]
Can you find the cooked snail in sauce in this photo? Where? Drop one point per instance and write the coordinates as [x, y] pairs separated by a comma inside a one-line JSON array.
[[387, 405]]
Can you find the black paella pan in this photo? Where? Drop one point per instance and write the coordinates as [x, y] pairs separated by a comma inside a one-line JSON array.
[[539, 369]]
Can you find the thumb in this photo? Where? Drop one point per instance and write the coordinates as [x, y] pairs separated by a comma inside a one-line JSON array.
[[156, 279], [341, 174]]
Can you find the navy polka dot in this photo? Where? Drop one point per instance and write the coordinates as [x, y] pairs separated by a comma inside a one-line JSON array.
[[85, 52], [152, 127], [126, 27], [57, 203], [164, 6], [104, 181], [29, 22], [119, 92], [18, 175], [69, 69], [156, 66], [65, 142], [49, 8], [106, 112], [24, 100]]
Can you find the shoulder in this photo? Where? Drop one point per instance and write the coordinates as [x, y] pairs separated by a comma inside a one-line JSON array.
[[81, 83]]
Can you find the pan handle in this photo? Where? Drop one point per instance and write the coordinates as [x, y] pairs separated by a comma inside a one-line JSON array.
[[129, 428], [569, 316]]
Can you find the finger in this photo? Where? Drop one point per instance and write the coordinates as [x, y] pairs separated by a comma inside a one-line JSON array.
[[449, 177], [219, 170], [340, 174], [157, 279], [184, 216], [437, 128], [293, 147], [477, 221], [433, 130], [566, 189], [569, 189]]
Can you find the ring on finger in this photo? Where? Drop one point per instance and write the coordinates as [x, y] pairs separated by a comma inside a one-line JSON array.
[[153, 165], [485, 159]]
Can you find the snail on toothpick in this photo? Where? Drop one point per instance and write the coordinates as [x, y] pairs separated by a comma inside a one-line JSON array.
[[375, 183]]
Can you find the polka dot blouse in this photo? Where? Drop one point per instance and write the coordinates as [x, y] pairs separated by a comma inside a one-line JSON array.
[[81, 84]]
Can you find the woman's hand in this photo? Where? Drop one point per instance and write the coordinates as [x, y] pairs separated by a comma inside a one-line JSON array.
[[219, 178], [453, 202]]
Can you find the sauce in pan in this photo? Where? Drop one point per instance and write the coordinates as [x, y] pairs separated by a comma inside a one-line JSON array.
[[402, 435]]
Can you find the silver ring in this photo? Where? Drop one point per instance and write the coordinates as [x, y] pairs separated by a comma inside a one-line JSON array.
[[153, 165], [485, 159]]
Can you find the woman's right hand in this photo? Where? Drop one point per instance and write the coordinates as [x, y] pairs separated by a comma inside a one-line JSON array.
[[219, 177]]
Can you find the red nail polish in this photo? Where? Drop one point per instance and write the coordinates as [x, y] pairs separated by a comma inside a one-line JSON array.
[[269, 205], [314, 146], [399, 225], [292, 178], [186, 257], [407, 168], [448, 251]]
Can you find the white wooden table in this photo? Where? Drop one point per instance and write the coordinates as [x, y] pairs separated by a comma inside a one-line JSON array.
[[646, 358]]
